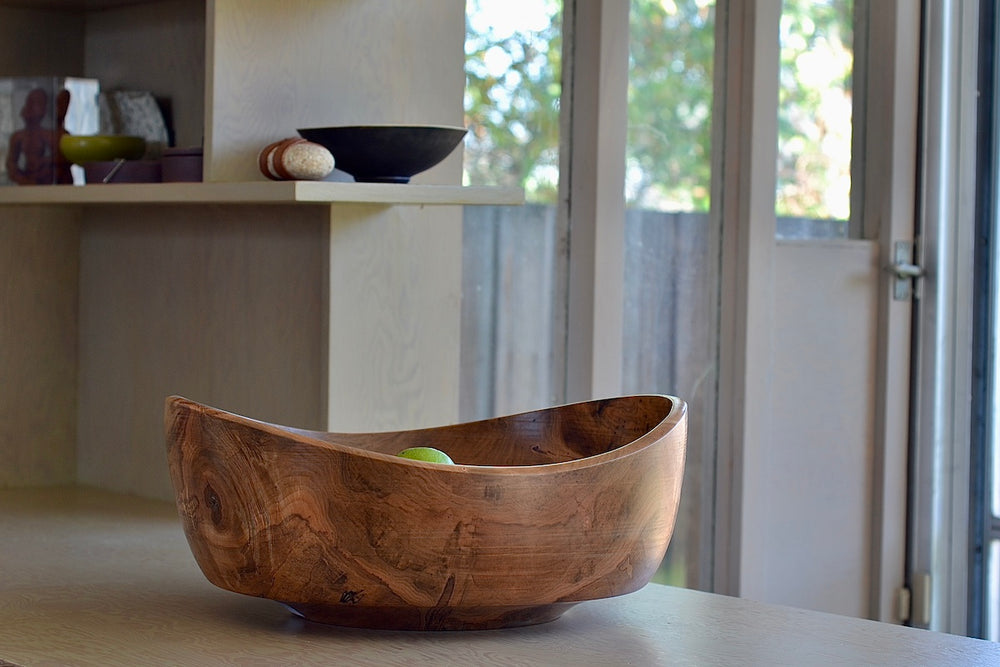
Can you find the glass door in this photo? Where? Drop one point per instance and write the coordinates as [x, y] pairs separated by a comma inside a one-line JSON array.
[[671, 283], [817, 136], [514, 258], [516, 285], [938, 554], [984, 526], [657, 264]]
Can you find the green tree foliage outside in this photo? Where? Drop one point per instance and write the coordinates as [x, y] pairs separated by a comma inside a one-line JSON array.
[[513, 90], [668, 155], [814, 109], [512, 93]]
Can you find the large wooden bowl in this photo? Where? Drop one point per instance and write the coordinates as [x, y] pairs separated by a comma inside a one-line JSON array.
[[542, 510]]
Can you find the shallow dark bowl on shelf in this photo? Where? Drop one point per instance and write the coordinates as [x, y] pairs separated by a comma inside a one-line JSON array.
[[386, 153]]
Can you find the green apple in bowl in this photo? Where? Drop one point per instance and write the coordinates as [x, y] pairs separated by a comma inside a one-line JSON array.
[[428, 454]]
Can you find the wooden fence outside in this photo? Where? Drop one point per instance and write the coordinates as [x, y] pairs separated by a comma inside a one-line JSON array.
[[510, 331], [512, 322]]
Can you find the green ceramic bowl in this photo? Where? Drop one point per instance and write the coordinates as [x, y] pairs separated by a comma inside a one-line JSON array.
[[80, 149]]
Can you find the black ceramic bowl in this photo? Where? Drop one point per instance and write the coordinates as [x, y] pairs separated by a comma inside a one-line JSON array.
[[386, 153]]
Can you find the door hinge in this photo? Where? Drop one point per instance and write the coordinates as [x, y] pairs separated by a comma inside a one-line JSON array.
[[903, 604], [920, 604], [906, 271], [913, 605]]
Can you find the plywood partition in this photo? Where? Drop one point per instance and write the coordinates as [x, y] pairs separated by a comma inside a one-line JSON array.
[[225, 302], [395, 272], [38, 370], [395, 316], [38, 269], [301, 313], [304, 63]]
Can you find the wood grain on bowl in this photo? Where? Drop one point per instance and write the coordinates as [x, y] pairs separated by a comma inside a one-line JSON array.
[[542, 510]]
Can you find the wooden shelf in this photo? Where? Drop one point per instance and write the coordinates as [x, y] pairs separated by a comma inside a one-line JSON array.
[[319, 279], [70, 4], [263, 192]]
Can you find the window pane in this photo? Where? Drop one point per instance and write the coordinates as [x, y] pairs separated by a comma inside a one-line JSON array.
[[993, 449], [514, 255], [511, 257], [513, 67], [672, 250], [814, 119], [671, 45], [993, 592]]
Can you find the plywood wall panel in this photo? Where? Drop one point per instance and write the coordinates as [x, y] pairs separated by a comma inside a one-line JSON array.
[[40, 43], [225, 304], [305, 63], [38, 352], [395, 317]]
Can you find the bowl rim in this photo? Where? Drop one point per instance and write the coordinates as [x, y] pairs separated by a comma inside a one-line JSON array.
[[674, 415], [383, 126], [70, 138]]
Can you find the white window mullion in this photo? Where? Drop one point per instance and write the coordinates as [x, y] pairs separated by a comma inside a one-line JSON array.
[[594, 190], [745, 140], [940, 482]]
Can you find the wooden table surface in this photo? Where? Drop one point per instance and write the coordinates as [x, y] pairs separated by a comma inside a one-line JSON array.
[[93, 578]]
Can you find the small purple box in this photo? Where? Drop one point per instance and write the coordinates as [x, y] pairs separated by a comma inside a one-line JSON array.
[[182, 165]]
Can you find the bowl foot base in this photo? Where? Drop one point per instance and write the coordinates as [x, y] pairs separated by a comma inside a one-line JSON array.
[[434, 618], [381, 179]]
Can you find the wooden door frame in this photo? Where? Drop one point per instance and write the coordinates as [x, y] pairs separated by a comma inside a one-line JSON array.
[[891, 155], [745, 138], [939, 547]]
